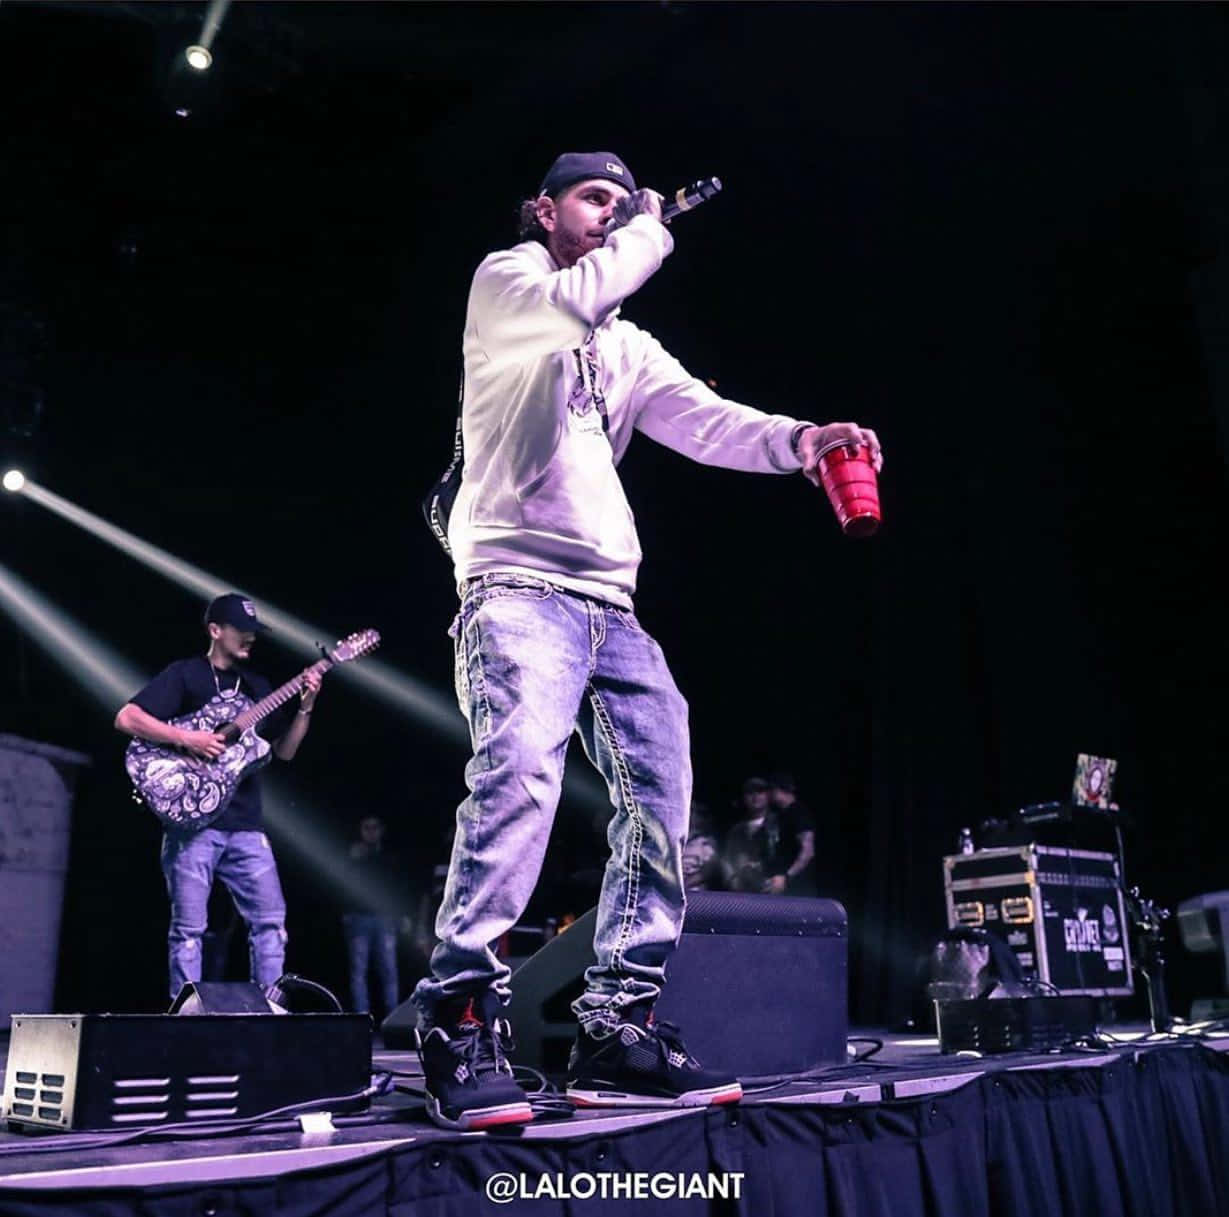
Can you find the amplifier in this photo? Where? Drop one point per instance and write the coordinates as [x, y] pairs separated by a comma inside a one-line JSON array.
[[1060, 910], [108, 1071], [1013, 1024], [758, 983]]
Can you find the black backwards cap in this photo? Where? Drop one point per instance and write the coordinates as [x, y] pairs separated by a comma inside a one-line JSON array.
[[573, 167]]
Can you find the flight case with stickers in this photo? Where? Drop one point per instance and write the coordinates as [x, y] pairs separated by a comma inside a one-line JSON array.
[[1060, 910]]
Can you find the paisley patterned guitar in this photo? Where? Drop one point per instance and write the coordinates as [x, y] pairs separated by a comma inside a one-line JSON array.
[[188, 792]]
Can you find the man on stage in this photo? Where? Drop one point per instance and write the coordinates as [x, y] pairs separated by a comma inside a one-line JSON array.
[[234, 847], [547, 643]]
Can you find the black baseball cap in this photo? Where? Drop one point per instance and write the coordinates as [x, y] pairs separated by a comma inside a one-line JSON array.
[[573, 167], [234, 609]]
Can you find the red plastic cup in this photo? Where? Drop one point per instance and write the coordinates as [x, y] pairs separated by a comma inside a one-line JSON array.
[[848, 476]]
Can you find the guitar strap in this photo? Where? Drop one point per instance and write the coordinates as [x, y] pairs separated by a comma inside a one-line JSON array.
[[437, 506]]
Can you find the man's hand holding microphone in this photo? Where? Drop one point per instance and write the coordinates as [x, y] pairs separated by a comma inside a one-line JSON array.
[[642, 202]]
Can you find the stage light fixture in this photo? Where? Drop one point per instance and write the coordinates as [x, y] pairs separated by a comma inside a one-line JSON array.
[[14, 480], [199, 58]]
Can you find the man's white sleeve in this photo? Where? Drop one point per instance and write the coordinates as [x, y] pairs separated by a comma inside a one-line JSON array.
[[677, 410], [522, 312]]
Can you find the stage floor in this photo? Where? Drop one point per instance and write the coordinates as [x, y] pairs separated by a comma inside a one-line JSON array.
[[905, 1067]]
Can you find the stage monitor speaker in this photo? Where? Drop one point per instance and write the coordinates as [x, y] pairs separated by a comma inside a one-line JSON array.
[[109, 1071], [1204, 925], [758, 985]]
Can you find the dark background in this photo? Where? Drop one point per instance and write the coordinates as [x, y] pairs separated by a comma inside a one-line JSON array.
[[994, 233]]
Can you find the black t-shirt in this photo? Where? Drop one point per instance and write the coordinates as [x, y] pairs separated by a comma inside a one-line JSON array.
[[187, 685], [795, 820]]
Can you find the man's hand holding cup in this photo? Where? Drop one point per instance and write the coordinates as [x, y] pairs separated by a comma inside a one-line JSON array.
[[844, 459], [813, 442]]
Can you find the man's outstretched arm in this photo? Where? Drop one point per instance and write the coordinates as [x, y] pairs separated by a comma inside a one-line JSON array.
[[683, 413]]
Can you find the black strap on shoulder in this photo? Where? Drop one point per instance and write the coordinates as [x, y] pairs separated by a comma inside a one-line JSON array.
[[437, 506]]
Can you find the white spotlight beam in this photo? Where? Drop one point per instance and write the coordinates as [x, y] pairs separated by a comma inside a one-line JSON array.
[[183, 573], [391, 686], [94, 665], [213, 22], [394, 688]]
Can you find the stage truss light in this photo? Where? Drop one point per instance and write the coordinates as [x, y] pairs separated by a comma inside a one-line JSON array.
[[199, 55], [199, 58], [14, 480]]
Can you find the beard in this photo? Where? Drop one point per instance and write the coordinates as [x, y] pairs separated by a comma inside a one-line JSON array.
[[568, 247]]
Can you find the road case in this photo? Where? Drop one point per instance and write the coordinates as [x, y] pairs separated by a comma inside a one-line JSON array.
[[1061, 911]]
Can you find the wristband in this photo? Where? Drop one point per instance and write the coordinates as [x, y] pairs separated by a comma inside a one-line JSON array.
[[305, 713], [795, 437]]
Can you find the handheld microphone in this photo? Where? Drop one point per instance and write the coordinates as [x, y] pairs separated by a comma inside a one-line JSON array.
[[688, 197]]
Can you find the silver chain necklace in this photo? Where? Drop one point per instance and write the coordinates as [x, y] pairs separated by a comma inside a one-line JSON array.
[[227, 693]]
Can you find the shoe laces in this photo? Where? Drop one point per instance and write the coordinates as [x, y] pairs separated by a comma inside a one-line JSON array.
[[482, 1046], [670, 1036]]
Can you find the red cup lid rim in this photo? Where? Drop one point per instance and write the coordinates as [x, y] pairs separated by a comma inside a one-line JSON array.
[[840, 443]]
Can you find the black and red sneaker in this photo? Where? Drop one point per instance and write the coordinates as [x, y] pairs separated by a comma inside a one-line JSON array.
[[643, 1064], [469, 1083]]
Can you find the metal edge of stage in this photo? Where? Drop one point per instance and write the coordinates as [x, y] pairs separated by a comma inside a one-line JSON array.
[[256, 1156], [205, 1162], [217, 1167], [945, 1074]]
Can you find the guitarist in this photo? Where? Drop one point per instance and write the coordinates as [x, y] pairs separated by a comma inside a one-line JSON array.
[[233, 848]]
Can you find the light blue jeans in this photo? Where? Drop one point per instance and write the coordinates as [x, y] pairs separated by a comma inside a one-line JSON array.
[[244, 863], [533, 664]]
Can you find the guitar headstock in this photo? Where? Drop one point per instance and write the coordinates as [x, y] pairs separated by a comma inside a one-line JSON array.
[[355, 646]]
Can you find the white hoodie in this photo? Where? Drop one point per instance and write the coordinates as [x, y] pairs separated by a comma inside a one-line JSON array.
[[540, 494]]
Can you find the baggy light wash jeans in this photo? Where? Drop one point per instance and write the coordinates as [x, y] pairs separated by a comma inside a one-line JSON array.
[[244, 862], [533, 664]]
